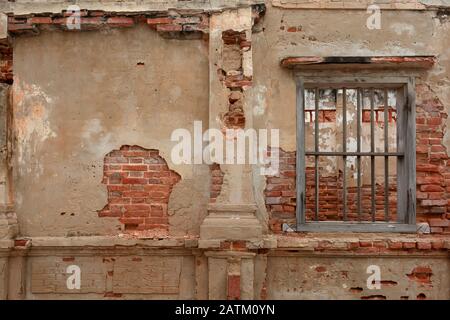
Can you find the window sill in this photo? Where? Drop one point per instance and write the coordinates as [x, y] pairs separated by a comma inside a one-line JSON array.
[[328, 226]]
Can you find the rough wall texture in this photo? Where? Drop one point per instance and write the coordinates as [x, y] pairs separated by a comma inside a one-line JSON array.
[[6, 61], [432, 182], [359, 4], [216, 181], [432, 157], [235, 43], [93, 115], [177, 24], [274, 90], [66, 122], [313, 278], [139, 185]]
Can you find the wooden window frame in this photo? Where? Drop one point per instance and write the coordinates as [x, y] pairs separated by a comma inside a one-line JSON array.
[[406, 165]]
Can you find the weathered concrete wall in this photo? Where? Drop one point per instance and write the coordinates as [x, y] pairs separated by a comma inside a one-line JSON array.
[[293, 277], [95, 110], [79, 96], [150, 276], [344, 34], [300, 268], [283, 33]]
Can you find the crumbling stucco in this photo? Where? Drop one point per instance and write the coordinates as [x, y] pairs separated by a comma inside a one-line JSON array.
[[76, 106], [79, 95]]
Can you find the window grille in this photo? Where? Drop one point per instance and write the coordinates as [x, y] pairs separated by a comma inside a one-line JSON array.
[[356, 155]]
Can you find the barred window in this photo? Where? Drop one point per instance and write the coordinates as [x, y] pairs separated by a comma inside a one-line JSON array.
[[356, 155]]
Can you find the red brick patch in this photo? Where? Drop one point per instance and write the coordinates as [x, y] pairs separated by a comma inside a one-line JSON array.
[[139, 185]]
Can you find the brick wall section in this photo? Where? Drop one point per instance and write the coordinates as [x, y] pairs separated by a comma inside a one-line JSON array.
[[280, 192], [433, 163], [365, 244], [433, 178], [233, 287], [139, 185], [331, 199], [232, 76], [216, 181], [175, 22]]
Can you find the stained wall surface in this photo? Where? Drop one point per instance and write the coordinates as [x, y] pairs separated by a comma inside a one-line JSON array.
[[79, 96], [95, 185]]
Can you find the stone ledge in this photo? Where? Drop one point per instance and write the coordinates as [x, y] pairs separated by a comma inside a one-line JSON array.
[[162, 22], [30, 6], [103, 242], [324, 242], [364, 243], [269, 242], [379, 62]]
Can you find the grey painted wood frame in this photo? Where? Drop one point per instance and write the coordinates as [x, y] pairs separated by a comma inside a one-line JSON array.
[[406, 144]]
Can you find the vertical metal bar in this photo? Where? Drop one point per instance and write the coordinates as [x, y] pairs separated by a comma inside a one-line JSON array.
[[344, 149], [406, 165], [358, 149], [386, 158], [300, 161], [372, 149], [410, 152], [316, 157]]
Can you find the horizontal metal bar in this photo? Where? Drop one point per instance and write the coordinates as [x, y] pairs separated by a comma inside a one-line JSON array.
[[316, 149], [386, 159], [312, 80], [332, 226], [354, 154], [351, 86], [344, 148], [358, 149]]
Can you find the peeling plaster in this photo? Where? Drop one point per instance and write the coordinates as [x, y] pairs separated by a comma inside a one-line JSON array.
[[31, 122], [95, 136], [260, 100]]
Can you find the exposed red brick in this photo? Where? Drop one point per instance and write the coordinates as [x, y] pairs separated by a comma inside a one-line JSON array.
[[163, 20], [112, 295], [169, 27], [120, 21], [437, 244], [20, 27], [395, 245], [421, 274], [95, 19], [426, 61], [21, 242], [39, 20], [374, 297], [431, 188], [140, 203], [216, 181], [300, 60], [321, 269], [409, 245], [235, 80], [68, 259], [234, 287], [6, 63], [439, 222], [423, 245]]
